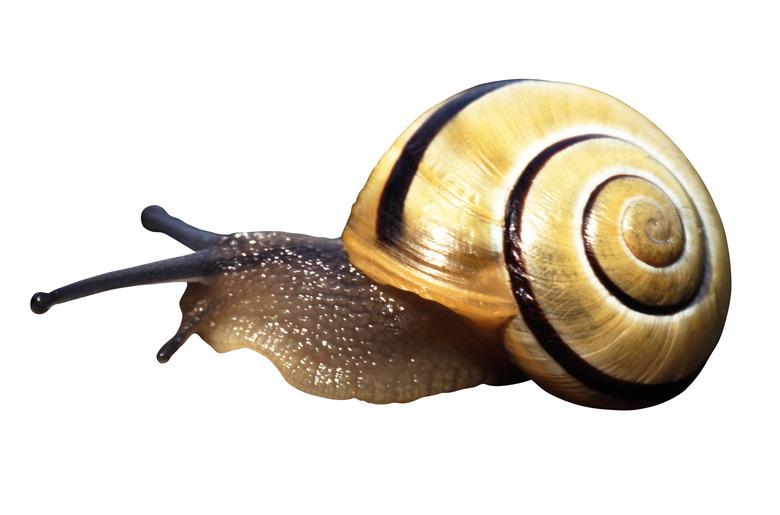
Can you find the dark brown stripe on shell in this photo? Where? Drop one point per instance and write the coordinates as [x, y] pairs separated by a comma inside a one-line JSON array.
[[389, 221]]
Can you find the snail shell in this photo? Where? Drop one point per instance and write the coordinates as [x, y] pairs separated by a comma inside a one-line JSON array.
[[563, 218]]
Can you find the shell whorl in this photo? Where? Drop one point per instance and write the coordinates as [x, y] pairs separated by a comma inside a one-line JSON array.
[[565, 217]]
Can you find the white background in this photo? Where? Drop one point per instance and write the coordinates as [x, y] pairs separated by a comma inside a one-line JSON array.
[[235, 117]]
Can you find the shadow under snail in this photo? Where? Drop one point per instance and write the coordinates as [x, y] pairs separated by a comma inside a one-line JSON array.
[[519, 229]]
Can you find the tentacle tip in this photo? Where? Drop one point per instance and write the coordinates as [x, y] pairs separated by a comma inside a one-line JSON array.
[[41, 302], [168, 350], [150, 215]]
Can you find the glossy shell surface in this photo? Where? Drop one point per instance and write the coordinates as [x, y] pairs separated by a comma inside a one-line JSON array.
[[564, 216]]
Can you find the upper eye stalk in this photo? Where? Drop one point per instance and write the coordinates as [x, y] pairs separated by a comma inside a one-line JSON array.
[[184, 268]]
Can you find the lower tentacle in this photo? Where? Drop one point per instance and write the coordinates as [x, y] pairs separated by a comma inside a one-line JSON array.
[[189, 324]]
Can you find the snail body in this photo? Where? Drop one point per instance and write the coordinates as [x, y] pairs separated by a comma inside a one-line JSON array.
[[518, 229], [329, 329]]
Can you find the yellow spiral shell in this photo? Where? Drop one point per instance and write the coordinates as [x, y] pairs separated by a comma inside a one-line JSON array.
[[566, 219]]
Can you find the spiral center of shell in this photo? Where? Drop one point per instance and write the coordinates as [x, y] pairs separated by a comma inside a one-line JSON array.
[[636, 242], [653, 230]]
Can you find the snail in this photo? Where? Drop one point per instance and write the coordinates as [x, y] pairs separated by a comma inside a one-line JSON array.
[[519, 229]]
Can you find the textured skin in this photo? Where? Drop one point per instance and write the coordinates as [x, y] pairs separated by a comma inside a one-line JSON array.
[[330, 330]]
